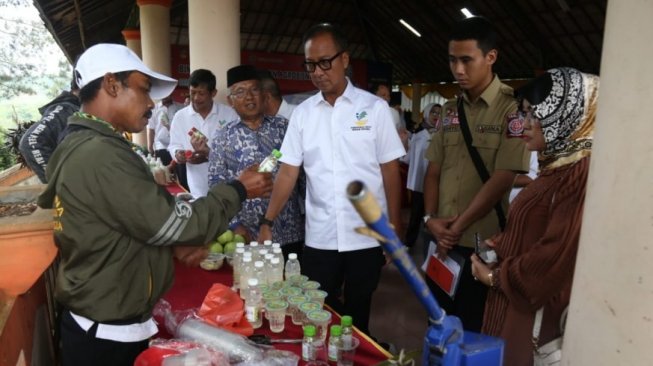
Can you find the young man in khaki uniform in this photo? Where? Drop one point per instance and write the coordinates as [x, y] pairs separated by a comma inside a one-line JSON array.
[[457, 202]]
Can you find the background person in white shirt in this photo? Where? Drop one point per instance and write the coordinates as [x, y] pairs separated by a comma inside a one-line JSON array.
[[340, 134], [158, 128], [417, 165], [274, 104], [206, 116]]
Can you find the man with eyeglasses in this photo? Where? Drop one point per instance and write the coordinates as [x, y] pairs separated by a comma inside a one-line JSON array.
[[339, 135], [244, 142], [207, 117]]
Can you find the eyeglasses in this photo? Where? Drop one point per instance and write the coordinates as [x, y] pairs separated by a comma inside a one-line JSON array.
[[325, 64], [241, 93]]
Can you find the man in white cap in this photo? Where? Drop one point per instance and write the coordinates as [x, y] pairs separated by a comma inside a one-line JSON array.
[[115, 228]]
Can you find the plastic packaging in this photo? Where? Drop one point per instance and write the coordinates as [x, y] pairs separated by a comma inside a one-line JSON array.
[[237, 347], [268, 164], [173, 352], [194, 132], [185, 325]]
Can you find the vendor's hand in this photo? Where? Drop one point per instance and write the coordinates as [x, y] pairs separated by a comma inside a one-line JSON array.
[[480, 270], [257, 184], [191, 256], [180, 156], [264, 233]]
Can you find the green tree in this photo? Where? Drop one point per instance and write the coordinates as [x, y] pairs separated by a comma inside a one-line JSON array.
[[25, 48]]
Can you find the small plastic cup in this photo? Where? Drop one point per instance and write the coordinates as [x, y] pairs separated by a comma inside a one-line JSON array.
[[213, 262], [310, 285], [316, 296], [271, 295], [346, 353], [290, 291], [275, 311], [321, 320], [307, 307], [278, 285], [297, 280], [263, 287], [293, 308]]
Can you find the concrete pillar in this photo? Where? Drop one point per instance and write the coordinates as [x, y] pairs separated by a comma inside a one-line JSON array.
[[611, 313], [416, 114], [155, 41], [214, 38], [133, 40]]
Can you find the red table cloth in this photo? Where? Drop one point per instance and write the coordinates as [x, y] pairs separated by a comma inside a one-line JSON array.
[[192, 284]]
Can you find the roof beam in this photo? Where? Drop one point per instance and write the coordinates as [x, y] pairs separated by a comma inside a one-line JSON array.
[[80, 24]]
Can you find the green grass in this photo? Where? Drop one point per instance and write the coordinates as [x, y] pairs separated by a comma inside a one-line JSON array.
[[26, 107]]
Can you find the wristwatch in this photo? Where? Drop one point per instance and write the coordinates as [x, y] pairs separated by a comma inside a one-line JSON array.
[[263, 221], [427, 217]]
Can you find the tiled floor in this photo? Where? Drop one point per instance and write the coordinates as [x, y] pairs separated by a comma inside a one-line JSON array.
[[397, 316]]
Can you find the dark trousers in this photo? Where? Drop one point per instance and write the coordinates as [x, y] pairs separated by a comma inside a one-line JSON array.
[[296, 247], [416, 218], [359, 270], [80, 348], [180, 172], [469, 302], [164, 155]]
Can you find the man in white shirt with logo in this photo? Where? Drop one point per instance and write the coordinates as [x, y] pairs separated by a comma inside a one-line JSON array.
[[207, 117], [339, 135]]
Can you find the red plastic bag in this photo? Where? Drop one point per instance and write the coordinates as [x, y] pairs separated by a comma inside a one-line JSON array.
[[224, 308]]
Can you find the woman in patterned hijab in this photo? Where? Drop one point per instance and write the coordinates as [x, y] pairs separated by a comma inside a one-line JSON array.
[[564, 102], [537, 251]]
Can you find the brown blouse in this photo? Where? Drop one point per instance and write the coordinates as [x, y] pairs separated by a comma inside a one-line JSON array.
[[537, 254]]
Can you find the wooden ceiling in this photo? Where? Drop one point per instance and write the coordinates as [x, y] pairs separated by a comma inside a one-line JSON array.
[[534, 34]]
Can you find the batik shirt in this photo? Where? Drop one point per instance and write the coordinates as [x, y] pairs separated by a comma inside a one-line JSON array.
[[238, 147]]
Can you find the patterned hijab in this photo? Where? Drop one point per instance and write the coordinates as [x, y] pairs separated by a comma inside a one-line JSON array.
[[564, 101]]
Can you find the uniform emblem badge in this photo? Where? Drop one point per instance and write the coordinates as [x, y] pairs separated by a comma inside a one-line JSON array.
[[515, 125]]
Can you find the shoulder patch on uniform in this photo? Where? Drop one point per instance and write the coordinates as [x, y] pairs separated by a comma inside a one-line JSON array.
[[515, 125]]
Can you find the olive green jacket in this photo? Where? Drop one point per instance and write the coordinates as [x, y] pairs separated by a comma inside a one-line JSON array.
[[114, 226]]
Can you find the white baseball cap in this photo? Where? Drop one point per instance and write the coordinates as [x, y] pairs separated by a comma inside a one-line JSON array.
[[102, 58]]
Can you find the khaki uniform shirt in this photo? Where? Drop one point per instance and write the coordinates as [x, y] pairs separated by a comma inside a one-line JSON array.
[[488, 119]]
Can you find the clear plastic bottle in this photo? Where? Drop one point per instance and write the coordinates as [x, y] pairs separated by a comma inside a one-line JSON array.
[[268, 164], [278, 253], [259, 272], [246, 272], [237, 264], [268, 268], [335, 342], [254, 247], [308, 347], [253, 304], [292, 266], [276, 270], [347, 330], [267, 243]]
